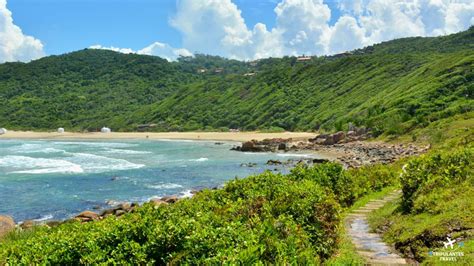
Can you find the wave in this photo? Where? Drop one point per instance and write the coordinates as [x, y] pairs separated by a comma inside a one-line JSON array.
[[44, 218], [164, 186], [35, 147], [97, 144], [185, 194], [124, 151], [199, 160], [30, 165], [98, 164]]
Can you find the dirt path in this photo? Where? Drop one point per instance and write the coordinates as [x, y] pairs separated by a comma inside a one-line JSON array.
[[370, 245]]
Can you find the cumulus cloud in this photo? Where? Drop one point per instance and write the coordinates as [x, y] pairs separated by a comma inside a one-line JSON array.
[[302, 26], [14, 45], [157, 49]]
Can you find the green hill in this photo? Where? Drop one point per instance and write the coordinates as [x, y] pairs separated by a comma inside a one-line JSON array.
[[392, 87]]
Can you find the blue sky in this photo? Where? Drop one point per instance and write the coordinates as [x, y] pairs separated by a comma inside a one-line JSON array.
[[68, 25], [242, 29]]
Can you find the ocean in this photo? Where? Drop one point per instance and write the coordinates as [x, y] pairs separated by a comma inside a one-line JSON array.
[[54, 180]]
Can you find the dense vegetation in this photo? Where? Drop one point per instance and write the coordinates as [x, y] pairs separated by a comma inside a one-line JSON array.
[[436, 203], [393, 87], [267, 218]]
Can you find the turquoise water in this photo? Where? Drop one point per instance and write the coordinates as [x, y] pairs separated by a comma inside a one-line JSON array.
[[49, 180]]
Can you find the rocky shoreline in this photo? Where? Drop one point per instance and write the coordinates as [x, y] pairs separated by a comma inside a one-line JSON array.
[[7, 223], [348, 148]]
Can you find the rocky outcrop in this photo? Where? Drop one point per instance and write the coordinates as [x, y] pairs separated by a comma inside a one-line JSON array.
[[355, 134], [266, 145], [87, 216], [7, 224]]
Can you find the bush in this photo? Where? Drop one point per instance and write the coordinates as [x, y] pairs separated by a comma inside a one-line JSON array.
[[427, 172], [267, 218]]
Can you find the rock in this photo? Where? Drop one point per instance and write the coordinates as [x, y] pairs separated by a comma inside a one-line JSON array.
[[107, 212], [320, 160], [87, 216], [273, 162], [125, 206], [248, 164], [170, 199], [7, 224], [158, 202], [27, 224], [337, 137], [282, 146], [120, 212], [248, 146], [53, 223], [218, 143]]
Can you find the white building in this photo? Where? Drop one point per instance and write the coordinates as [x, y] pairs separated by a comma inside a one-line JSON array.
[[105, 130], [60, 130], [3, 131]]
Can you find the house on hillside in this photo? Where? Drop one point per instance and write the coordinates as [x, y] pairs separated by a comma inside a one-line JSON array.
[[249, 74], [201, 70], [218, 70], [303, 58]]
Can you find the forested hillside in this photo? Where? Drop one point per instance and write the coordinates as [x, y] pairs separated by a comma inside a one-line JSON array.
[[392, 87]]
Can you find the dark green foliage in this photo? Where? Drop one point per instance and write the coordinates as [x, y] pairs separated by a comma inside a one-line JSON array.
[[393, 87], [426, 173]]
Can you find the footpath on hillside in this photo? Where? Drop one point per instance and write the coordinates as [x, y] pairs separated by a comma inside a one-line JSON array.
[[370, 245]]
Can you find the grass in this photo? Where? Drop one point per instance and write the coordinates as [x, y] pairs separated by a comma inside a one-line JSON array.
[[441, 206]]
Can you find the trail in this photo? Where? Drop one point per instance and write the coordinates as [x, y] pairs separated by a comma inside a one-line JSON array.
[[370, 245]]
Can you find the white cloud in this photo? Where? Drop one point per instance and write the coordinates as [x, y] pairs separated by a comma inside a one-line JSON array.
[[165, 51], [302, 26], [14, 45], [112, 48], [157, 49]]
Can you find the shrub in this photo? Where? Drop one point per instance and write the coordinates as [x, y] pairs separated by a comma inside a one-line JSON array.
[[427, 172]]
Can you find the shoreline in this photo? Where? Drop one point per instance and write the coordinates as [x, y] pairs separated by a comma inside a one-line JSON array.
[[210, 136]]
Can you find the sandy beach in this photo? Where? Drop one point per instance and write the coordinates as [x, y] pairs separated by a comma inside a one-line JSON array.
[[217, 136]]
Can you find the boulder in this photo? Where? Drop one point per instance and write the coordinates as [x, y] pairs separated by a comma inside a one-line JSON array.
[[273, 162], [125, 206], [248, 146], [170, 199], [27, 224], [338, 137], [158, 202], [120, 212], [282, 146], [7, 224], [320, 160], [87, 216]]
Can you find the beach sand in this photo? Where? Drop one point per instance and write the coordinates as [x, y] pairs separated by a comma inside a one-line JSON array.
[[216, 136]]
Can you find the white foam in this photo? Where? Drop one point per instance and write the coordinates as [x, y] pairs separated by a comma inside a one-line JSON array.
[[199, 160], [30, 165], [43, 150], [44, 218], [164, 186], [97, 144], [185, 194], [98, 164], [124, 151]]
